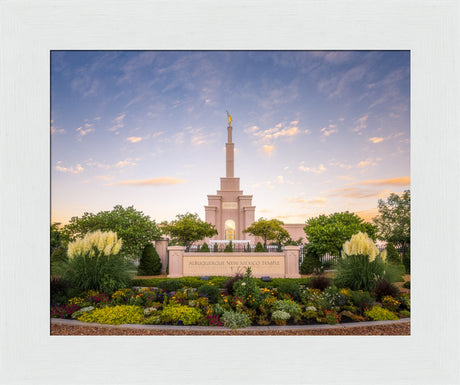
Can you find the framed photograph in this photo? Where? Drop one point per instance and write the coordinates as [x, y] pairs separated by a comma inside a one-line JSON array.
[[236, 111]]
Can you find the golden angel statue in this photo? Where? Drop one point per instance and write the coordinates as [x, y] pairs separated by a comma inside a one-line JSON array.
[[229, 119]]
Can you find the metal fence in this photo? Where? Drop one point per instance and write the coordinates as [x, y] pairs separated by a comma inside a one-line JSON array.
[[236, 247]]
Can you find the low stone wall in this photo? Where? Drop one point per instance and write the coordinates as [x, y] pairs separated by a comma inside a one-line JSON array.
[[275, 265]]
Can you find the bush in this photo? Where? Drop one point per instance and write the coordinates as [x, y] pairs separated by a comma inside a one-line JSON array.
[[150, 263], [320, 282], [288, 306], [177, 314], [204, 248], [211, 292], [362, 299], [405, 313], [171, 285], [280, 317], [390, 303], [58, 258], [259, 248], [247, 248], [331, 297], [289, 287], [235, 320], [60, 290], [215, 248], [392, 254], [406, 261], [406, 285], [248, 289], [311, 262], [385, 288], [378, 313], [229, 248], [115, 315]]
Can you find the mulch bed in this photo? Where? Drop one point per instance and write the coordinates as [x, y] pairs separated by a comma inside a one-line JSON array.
[[400, 329]]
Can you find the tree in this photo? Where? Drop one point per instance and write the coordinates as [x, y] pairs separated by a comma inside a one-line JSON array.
[[327, 233], [134, 227], [188, 228], [57, 239], [204, 248], [393, 221], [150, 263], [268, 229], [392, 254]]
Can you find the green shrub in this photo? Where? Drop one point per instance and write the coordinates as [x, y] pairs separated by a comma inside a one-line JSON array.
[[405, 300], [362, 299], [311, 262], [378, 313], [288, 306], [204, 248], [280, 317], [215, 248], [259, 248], [331, 297], [58, 258], [171, 285], [230, 282], [194, 282], [405, 313], [218, 281], [229, 248], [186, 315], [115, 315], [289, 287], [392, 254], [150, 263], [211, 292], [248, 289], [247, 249], [406, 261], [406, 285], [235, 320], [82, 311]]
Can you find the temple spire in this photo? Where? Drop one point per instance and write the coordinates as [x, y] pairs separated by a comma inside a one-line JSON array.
[[229, 150]]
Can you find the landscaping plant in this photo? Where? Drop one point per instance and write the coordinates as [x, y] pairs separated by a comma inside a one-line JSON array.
[[94, 263], [150, 263]]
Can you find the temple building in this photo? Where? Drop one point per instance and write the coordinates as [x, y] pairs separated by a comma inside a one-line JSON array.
[[230, 211]]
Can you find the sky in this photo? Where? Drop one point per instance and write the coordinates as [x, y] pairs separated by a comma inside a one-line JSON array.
[[315, 132]]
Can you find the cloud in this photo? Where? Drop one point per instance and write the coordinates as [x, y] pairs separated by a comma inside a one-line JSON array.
[[72, 170], [57, 131], [317, 170], [125, 163], [367, 162], [118, 122], [134, 139], [149, 182], [354, 192], [268, 149], [197, 140], [367, 215], [400, 181], [279, 130], [327, 131], [82, 132], [313, 201], [376, 139], [360, 124]]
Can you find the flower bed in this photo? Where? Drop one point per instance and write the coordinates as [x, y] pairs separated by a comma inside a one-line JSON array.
[[244, 304]]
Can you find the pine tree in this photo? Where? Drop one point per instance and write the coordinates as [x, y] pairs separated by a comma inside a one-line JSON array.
[[229, 248], [204, 248], [259, 248], [150, 263]]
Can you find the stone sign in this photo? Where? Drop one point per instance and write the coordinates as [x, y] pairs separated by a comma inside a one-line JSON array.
[[285, 264], [196, 264]]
